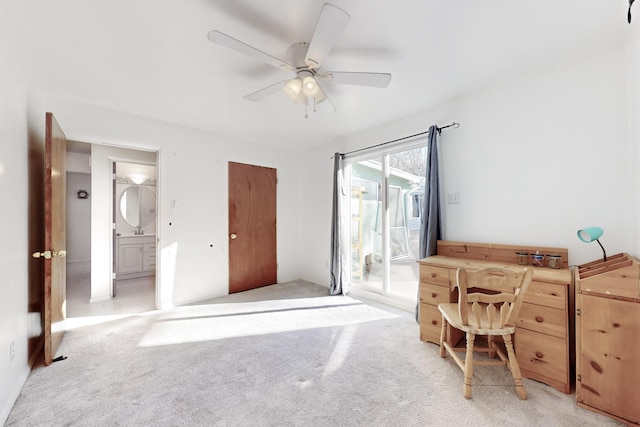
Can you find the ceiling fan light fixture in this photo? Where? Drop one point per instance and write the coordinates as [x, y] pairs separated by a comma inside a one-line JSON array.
[[309, 86], [292, 88]]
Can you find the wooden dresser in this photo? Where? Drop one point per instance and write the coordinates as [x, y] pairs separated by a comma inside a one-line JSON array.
[[608, 337], [544, 334]]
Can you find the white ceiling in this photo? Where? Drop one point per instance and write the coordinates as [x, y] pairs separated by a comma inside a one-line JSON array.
[[151, 58]]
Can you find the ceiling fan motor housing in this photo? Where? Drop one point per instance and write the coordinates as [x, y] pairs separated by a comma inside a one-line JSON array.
[[296, 55]]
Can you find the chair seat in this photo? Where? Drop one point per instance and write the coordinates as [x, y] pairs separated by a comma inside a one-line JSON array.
[[451, 312]]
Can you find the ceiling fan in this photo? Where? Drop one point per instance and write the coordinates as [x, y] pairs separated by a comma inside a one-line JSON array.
[[305, 60]]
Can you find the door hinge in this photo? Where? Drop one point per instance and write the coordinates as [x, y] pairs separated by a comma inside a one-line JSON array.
[[113, 225], [90, 161], [578, 377], [113, 276], [578, 312]]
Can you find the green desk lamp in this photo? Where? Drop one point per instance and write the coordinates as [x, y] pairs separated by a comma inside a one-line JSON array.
[[590, 234]]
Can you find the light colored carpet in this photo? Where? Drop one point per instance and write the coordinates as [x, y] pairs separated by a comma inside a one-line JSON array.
[[283, 355]]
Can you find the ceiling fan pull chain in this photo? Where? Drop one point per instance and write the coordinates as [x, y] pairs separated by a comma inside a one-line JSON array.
[[314, 104], [306, 110]]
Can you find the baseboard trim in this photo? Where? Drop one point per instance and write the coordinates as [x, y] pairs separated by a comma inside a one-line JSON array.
[[13, 395], [401, 304]]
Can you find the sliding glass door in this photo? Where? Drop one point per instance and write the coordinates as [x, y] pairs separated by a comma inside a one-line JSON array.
[[386, 197]]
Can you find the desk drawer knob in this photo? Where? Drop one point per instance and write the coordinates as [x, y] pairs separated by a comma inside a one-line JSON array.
[[433, 274], [434, 322], [539, 319], [433, 295], [539, 355]]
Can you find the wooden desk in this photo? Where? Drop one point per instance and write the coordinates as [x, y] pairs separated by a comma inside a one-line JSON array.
[[543, 338]]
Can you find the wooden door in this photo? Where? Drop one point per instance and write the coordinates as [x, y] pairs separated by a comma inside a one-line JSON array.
[[252, 227], [55, 236]]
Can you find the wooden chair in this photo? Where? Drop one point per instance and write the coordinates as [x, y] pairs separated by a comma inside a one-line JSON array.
[[488, 304]]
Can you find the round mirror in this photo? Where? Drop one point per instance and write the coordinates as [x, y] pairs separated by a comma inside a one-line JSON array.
[[138, 205]]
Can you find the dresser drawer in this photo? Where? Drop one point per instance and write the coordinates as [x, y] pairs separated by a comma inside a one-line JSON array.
[[434, 275], [547, 294], [149, 247], [542, 354], [543, 319], [436, 294]]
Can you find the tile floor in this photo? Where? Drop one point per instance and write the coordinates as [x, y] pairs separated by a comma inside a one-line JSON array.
[[132, 295]]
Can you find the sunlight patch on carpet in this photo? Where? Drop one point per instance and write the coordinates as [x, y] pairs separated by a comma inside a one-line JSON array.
[[223, 321], [81, 322]]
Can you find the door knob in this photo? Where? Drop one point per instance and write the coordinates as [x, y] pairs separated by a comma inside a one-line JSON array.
[[233, 236], [49, 254], [45, 254]]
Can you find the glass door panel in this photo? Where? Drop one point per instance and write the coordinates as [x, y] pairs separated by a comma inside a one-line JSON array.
[[367, 268], [405, 188]]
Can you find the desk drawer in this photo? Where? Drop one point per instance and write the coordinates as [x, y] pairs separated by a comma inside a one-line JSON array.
[[435, 275], [436, 294], [543, 319], [547, 294], [543, 354], [430, 323], [431, 326]]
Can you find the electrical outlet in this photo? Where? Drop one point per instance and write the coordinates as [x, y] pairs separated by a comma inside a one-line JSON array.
[[12, 350]]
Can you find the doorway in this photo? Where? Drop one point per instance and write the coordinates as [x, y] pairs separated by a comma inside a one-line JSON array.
[[82, 196]]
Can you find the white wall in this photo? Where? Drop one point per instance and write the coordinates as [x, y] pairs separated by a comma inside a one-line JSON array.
[[192, 167], [21, 130], [78, 218], [535, 159]]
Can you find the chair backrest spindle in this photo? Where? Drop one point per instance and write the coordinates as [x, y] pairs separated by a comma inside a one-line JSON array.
[[493, 290]]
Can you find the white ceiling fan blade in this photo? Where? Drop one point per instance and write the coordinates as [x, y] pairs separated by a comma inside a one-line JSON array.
[[241, 47], [269, 90], [330, 25], [362, 79]]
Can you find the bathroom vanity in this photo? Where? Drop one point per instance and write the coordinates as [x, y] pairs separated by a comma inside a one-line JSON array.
[[136, 256], [135, 247]]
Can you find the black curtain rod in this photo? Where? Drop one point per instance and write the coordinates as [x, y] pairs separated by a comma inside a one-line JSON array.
[[454, 125]]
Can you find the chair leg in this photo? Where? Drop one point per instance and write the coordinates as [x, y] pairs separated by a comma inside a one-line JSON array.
[[492, 345], [514, 368], [468, 366], [443, 337]]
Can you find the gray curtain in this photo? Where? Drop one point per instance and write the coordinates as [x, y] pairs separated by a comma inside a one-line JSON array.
[[338, 282], [430, 226]]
